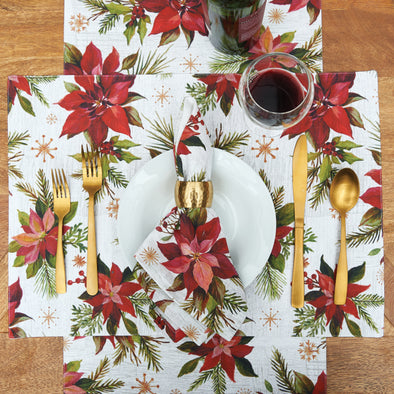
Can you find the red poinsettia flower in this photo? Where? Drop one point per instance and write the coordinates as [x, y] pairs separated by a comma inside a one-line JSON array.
[[321, 384], [175, 14], [39, 236], [69, 380], [373, 195], [267, 44], [327, 111], [325, 302], [112, 297], [198, 254], [281, 232], [223, 84], [15, 83], [218, 350]]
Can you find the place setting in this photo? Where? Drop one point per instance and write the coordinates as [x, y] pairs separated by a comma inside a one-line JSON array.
[[193, 231]]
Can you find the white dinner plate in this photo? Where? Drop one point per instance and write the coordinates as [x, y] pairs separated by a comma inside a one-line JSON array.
[[240, 198]]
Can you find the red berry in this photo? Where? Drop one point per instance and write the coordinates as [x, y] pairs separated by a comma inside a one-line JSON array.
[[70, 282], [305, 274], [314, 276], [81, 273], [77, 280], [310, 286]]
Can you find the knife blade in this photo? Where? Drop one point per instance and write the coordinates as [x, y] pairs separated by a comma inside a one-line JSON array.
[[300, 175]]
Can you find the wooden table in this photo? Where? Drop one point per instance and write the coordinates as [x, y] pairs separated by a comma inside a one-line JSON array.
[[357, 35]]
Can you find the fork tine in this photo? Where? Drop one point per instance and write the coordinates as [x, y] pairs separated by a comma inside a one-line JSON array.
[[60, 192], [66, 189]]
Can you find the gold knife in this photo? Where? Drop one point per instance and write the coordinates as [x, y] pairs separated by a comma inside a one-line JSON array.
[[300, 168]]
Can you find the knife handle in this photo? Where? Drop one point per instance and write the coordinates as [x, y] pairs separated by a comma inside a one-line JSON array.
[[297, 288]]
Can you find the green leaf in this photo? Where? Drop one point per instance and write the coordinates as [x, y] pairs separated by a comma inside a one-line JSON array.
[[71, 214], [125, 144], [350, 158], [334, 328], [299, 52], [24, 218], [352, 98], [194, 141], [277, 262], [50, 259], [187, 347], [13, 247], [85, 383], [117, 9], [313, 295], [129, 61], [26, 104], [374, 252], [128, 157], [217, 290], [302, 383], [189, 35], [353, 327], [287, 37], [129, 32], [19, 261], [19, 318], [189, 367], [245, 339], [71, 87], [357, 273], [347, 145], [325, 268], [225, 104], [355, 117], [102, 268], [169, 36], [142, 29], [133, 97], [128, 275], [268, 386], [33, 268], [313, 12], [111, 327], [41, 208], [72, 54], [325, 169], [244, 367], [372, 218], [133, 116], [73, 366], [313, 155], [285, 215], [130, 326]]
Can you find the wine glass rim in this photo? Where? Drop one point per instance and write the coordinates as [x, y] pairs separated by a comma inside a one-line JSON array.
[[308, 73]]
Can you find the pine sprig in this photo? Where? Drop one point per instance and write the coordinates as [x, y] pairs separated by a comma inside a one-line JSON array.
[[320, 193], [312, 56], [103, 368], [305, 321], [199, 177], [366, 235], [153, 63], [15, 140], [223, 63], [123, 347], [84, 322], [95, 5], [230, 142], [108, 22], [162, 134], [270, 283], [139, 301], [363, 301], [149, 350], [284, 377], [234, 303], [99, 386], [77, 237], [27, 190], [315, 40], [45, 280], [218, 380], [207, 375], [267, 182], [198, 91], [117, 178], [44, 188], [34, 82]]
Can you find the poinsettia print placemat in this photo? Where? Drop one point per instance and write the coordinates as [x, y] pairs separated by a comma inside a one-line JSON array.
[[49, 119], [246, 364], [164, 36]]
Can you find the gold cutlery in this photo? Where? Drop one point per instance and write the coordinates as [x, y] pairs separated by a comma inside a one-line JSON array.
[[300, 169], [344, 193], [61, 207], [92, 181]]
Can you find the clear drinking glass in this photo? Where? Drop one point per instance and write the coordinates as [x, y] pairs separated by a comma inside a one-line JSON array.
[[276, 90]]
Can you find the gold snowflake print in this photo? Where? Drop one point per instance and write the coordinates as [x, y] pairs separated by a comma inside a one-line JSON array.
[[67, 341], [113, 208], [265, 148], [191, 332], [162, 96], [51, 119], [145, 386], [78, 23], [79, 261], [149, 256], [48, 317], [175, 391], [335, 214], [244, 391], [276, 16], [306, 261], [270, 319], [44, 148], [380, 276], [308, 350], [190, 64]]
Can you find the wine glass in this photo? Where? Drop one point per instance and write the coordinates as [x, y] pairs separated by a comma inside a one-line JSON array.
[[276, 91]]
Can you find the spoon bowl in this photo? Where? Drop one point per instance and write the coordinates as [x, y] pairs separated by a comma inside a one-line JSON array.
[[344, 194]]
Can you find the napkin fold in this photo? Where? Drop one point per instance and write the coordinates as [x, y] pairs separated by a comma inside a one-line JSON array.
[[198, 292]]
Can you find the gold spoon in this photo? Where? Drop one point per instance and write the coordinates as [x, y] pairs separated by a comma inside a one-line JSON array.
[[344, 193]]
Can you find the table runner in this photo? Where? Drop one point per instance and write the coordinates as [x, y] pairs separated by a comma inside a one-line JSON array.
[[139, 35], [36, 123]]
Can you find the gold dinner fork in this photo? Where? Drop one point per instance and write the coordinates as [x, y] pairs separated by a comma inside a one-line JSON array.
[[61, 207], [92, 181]]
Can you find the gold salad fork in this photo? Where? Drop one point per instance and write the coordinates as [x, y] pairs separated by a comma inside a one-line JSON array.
[[61, 207], [92, 181]]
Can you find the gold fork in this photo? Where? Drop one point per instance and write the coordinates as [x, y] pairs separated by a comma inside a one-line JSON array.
[[61, 207], [92, 181]]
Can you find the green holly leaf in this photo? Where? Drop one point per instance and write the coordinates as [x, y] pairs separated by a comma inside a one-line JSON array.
[[357, 273], [85, 383], [194, 141], [334, 328], [133, 116], [325, 169], [125, 144], [102, 268], [277, 262], [19, 261], [41, 208], [128, 157], [347, 145], [189, 367], [268, 386], [187, 347], [142, 29], [129, 32], [285, 215], [117, 9], [33, 268], [130, 326], [350, 157], [26, 104], [325, 268], [73, 366], [14, 246], [225, 104], [244, 367], [287, 37], [71, 214], [313, 295]]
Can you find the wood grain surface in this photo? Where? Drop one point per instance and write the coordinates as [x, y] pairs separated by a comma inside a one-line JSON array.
[[357, 35]]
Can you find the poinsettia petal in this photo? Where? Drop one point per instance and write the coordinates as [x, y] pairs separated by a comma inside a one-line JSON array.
[[71, 377], [27, 239], [210, 259], [170, 250], [353, 289], [282, 231], [350, 307], [276, 248], [302, 126], [74, 100], [76, 122], [241, 350], [15, 293], [154, 5], [21, 83], [319, 132], [298, 4], [129, 288], [86, 81], [166, 20], [127, 306], [376, 175], [91, 62], [190, 283], [210, 362], [96, 301], [48, 220], [109, 310], [321, 384], [226, 269], [178, 264], [337, 119], [115, 275], [193, 21], [186, 227], [116, 119], [111, 63], [209, 231], [51, 245], [202, 273], [72, 69], [373, 196], [338, 93], [228, 364], [119, 92], [220, 246], [331, 309]]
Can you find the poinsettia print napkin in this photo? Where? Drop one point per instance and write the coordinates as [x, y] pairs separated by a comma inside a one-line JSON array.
[[199, 291]]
